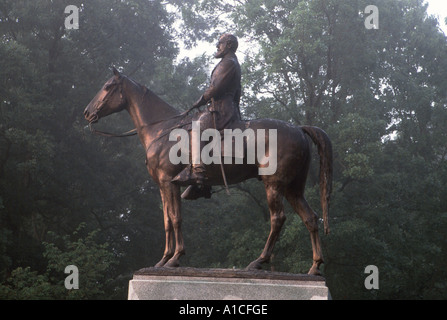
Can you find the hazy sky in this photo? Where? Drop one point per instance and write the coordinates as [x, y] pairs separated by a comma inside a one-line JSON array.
[[438, 8], [435, 7]]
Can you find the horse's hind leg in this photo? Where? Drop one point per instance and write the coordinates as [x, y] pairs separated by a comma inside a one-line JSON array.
[[310, 220], [277, 218]]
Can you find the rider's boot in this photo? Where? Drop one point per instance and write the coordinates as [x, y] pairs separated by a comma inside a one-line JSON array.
[[195, 175]]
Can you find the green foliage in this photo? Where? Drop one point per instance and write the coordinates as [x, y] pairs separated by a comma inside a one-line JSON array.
[[24, 284], [94, 262]]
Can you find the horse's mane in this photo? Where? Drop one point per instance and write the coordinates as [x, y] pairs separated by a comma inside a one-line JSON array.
[[149, 96]]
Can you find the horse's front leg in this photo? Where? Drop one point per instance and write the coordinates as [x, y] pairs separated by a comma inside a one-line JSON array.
[[170, 195], [169, 241]]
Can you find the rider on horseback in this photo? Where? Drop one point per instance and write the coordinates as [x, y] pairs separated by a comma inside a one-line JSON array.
[[224, 94]]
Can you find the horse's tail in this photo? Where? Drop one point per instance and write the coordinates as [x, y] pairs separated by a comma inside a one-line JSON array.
[[321, 139]]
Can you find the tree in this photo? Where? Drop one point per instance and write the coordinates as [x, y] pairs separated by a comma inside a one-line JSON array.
[[93, 259]]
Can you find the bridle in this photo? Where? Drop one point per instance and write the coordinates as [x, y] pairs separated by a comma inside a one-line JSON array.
[[112, 135], [134, 131], [99, 106]]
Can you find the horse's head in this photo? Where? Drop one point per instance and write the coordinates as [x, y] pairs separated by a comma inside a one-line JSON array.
[[108, 100]]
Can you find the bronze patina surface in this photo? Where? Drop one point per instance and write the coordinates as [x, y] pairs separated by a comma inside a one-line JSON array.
[[154, 119]]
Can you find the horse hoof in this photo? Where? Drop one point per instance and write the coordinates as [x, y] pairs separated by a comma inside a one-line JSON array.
[[314, 271], [172, 264], [255, 265], [163, 262]]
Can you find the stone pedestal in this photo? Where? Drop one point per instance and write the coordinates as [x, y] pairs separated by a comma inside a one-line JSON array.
[[224, 284]]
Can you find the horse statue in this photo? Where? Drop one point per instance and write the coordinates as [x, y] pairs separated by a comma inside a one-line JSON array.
[[154, 119]]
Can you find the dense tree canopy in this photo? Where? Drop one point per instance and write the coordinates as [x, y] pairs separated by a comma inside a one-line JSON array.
[[67, 197]]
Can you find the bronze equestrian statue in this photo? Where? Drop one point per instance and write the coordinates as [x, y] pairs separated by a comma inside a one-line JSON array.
[[154, 119]]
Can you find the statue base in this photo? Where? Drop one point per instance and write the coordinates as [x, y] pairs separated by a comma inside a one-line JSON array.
[[224, 284]]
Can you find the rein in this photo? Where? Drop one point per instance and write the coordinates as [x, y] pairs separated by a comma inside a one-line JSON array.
[[133, 131], [112, 135]]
